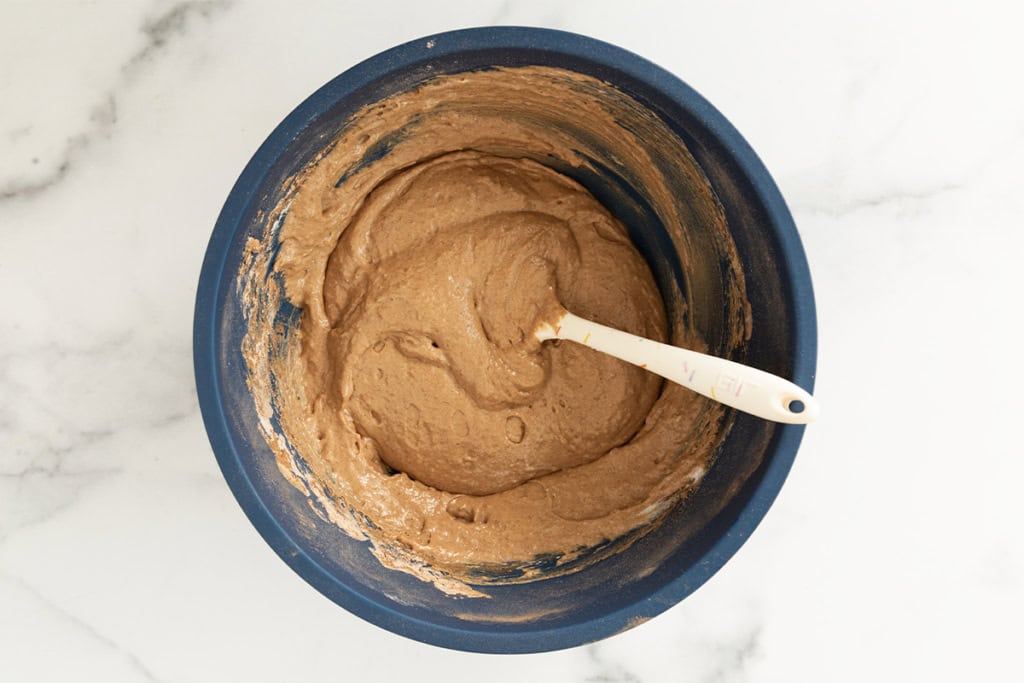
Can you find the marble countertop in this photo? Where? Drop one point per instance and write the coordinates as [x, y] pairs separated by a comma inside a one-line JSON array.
[[896, 132]]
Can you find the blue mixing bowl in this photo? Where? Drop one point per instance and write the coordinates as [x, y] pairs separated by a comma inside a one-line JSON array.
[[696, 538]]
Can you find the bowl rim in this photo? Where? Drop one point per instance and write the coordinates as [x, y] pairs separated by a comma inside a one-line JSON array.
[[536, 637]]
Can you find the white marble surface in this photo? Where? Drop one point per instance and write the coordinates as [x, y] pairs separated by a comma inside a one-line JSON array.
[[896, 132]]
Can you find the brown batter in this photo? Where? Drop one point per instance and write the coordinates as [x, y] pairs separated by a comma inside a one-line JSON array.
[[418, 397], [432, 295]]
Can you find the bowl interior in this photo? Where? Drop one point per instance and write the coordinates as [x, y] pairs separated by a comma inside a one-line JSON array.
[[697, 537]]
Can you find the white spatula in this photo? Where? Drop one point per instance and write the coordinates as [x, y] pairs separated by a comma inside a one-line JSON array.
[[740, 386]]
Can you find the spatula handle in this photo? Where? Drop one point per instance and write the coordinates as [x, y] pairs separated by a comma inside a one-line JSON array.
[[739, 386]]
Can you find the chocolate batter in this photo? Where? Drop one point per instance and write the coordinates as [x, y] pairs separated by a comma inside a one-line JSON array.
[[423, 248], [432, 295]]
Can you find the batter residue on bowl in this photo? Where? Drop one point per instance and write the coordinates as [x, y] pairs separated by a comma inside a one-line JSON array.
[[421, 247]]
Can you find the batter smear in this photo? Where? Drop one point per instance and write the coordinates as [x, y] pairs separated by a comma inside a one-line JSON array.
[[417, 395]]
